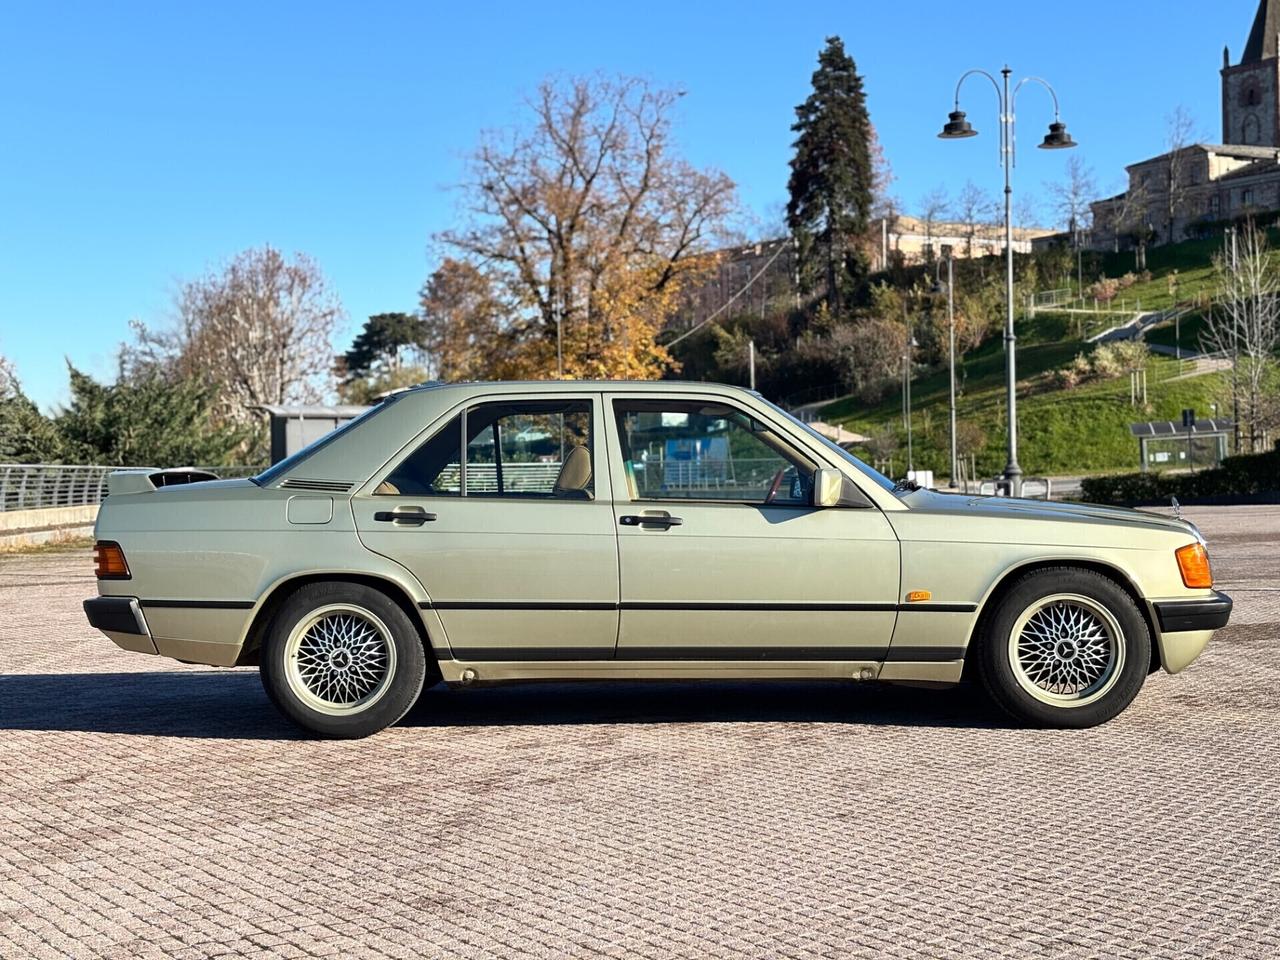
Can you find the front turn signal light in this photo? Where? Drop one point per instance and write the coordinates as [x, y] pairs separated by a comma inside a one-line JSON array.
[[109, 561], [1193, 563]]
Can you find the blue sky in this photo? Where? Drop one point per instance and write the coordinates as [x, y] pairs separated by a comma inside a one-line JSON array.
[[142, 144]]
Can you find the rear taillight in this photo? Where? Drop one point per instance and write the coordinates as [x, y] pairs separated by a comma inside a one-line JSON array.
[[1193, 563], [109, 561]]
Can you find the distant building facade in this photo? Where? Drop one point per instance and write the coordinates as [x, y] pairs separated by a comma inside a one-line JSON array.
[[1178, 194], [755, 278], [908, 240]]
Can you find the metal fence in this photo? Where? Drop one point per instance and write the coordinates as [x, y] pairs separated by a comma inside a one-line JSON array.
[[32, 486]]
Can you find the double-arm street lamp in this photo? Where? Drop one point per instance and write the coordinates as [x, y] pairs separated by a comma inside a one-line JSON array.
[[958, 128]]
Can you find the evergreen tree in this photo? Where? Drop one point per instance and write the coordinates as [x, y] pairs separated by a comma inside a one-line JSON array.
[[832, 177], [380, 346], [26, 435], [386, 355], [147, 420]]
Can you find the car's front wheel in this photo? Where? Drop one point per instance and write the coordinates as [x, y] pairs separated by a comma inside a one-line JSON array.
[[342, 660], [1066, 647]]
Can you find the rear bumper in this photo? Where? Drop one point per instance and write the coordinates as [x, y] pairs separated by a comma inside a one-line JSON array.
[[121, 619], [1185, 616]]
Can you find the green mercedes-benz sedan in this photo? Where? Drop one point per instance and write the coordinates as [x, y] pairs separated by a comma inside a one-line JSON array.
[[489, 532]]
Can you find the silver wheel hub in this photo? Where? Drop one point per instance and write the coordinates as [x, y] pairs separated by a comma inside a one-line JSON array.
[[339, 659], [1066, 650]]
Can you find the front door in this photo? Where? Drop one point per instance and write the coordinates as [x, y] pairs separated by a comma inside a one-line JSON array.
[[503, 514], [723, 556]]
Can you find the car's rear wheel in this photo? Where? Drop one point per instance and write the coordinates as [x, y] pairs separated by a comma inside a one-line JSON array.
[[1066, 647], [342, 660]]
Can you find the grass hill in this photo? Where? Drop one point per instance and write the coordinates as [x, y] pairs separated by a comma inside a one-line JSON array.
[[1080, 430]]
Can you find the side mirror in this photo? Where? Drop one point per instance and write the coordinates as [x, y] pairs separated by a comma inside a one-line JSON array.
[[831, 488]]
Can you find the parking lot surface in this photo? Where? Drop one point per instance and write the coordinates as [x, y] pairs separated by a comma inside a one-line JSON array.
[[152, 809]]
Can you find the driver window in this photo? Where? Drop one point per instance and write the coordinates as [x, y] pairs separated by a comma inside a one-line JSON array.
[[706, 451]]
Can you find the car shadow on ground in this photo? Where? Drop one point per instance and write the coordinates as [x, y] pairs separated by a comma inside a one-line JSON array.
[[232, 705]]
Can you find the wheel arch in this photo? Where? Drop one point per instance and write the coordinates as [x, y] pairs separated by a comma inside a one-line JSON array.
[[991, 602], [280, 592]]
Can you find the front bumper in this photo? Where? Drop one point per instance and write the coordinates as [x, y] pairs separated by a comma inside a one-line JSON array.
[[121, 619], [1185, 616], [1187, 626]]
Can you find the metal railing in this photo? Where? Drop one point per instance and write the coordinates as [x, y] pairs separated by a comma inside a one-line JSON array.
[[34, 486]]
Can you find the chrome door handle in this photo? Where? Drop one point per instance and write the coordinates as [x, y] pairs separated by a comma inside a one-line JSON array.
[[417, 518], [645, 520]]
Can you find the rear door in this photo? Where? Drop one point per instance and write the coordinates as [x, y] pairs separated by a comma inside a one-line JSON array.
[[722, 555], [503, 514]]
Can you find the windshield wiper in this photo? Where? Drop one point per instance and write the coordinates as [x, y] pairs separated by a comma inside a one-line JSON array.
[[906, 486]]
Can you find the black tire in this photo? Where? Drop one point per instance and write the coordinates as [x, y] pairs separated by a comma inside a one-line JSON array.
[[1121, 669], [395, 662]]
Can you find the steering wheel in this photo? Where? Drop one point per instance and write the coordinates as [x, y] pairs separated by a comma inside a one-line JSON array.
[[775, 485]]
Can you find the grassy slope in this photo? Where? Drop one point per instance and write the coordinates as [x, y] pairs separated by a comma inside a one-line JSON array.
[[1082, 430]]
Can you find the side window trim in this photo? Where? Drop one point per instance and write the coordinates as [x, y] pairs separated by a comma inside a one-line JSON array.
[[462, 453]]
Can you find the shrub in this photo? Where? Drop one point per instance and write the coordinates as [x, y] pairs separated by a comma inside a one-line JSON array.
[[1104, 290], [1241, 476], [1075, 373]]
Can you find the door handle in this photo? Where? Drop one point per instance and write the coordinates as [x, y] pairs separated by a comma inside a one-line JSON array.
[[666, 521], [417, 518]]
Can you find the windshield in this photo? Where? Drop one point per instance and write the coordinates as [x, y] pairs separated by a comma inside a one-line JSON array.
[[870, 473], [276, 470]]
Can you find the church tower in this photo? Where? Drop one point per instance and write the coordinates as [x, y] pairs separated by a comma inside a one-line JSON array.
[[1251, 89]]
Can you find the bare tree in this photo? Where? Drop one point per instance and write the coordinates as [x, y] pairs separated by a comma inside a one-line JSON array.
[[1133, 217], [933, 208], [883, 203], [1179, 135], [1026, 212], [1245, 325], [1071, 197], [10, 387], [259, 331], [588, 200], [973, 208]]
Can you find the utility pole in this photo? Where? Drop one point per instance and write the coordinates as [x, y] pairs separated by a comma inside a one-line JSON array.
[[751, 362]]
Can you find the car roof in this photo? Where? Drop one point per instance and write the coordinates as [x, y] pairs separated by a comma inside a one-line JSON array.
[[552, 386]]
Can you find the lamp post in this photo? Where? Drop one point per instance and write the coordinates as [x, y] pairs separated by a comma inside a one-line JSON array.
[[951, 358], [958, 128], [906, 398]]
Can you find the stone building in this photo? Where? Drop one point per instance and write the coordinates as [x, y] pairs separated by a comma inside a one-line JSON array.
[[911, 240], [760, 278], [1184, 192]]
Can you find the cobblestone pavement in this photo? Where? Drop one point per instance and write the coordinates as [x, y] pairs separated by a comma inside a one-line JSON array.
[[150, 809]]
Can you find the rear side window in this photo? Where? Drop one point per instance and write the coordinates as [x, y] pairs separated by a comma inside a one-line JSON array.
[[538, 450]]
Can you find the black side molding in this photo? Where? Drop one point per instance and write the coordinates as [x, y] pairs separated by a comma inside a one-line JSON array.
[[117, 614], [1179, 616]]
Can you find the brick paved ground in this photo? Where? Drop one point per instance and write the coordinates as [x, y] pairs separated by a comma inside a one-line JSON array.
[[150, 809]]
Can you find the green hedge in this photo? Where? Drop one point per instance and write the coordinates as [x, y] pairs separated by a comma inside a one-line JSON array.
[[1256, 475]]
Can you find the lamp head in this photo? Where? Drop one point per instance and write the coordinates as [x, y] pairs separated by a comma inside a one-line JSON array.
[[957, 128], [1057, 138]]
